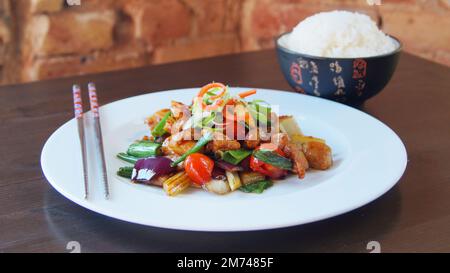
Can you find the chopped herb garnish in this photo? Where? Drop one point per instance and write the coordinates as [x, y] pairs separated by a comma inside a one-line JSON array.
[[257, 187]]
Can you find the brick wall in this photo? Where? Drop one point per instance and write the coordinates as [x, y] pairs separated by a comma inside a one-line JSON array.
[[41, 39], [6, 43]]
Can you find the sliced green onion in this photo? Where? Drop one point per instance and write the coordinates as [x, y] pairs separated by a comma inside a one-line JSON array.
[[205, 139], [207, 121], [257, 187], [273, 159], [159, 128], [235, 156]]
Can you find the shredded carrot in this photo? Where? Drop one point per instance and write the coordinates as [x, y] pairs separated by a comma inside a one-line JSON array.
[[222, 92], [209, 86], [249, 119], [231, 102], [213, 106], [247, 93], [218, 101]]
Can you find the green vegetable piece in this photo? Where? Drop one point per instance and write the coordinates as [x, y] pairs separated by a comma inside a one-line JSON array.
[[273, 159], [264, 109], [259, 112], [127, 158], [235, 156], [205, 139], [159, 128], [257, 187], [125, 172], [208, 121], [144, 149]]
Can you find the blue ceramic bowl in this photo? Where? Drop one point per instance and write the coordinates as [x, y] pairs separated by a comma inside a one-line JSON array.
[[347, 80]]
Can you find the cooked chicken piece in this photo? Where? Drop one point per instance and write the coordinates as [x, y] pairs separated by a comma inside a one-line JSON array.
[[295, 153], [251, 144], [221, 142], [158, 181], [318, 155], [252, 139], [177, 126], [180, 114], [174, 157], [179, 110], [223, 145], [188, 134], [178, 143], [170, 148], [280, 139], [156, 118], [283, 118]]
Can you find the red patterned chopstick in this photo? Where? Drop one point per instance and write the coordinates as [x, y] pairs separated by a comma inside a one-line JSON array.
[[93, 100], [78, 111], [77, 102], [98, 134]]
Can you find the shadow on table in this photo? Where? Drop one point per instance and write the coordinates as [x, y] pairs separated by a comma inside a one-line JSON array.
[[349, 232]]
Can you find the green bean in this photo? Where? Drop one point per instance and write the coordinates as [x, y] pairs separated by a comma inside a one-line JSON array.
[[144, 149], [126, 172], [128, 158]]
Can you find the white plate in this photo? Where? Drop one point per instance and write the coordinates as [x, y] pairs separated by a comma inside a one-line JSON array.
[[369, 158]]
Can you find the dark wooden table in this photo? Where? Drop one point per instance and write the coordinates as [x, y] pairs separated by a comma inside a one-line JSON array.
[[414, 216]]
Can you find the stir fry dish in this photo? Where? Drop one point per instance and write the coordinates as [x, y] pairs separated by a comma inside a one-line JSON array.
[[222, 142]]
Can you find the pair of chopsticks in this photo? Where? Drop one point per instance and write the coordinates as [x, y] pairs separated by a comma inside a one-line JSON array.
[[78, 110]]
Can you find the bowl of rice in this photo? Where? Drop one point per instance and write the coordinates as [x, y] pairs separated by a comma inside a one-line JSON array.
[[338, 55]]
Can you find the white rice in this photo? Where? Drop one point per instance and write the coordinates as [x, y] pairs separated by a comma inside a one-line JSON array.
[[339, 34]]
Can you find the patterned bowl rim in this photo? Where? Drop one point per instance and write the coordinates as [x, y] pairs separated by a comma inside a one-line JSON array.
[[286, 50]]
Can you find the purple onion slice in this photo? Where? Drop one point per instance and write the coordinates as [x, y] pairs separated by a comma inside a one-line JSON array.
[[218, 174], [228, 166], [148, 168]]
